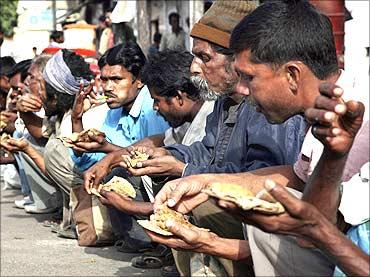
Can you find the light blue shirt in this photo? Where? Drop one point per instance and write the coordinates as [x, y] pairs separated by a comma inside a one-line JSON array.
[[125, 128]]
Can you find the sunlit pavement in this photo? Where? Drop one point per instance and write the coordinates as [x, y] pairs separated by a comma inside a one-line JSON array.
[[29, 249]]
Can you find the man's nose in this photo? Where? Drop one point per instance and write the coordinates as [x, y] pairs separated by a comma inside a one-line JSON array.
[[195, 68], [242, 88]]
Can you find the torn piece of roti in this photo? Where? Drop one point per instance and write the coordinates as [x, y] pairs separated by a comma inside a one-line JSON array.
[[157, 221], [243, 197]]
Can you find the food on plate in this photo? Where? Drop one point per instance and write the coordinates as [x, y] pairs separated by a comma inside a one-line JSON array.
[[157, 221], [244, 198], [118, 185]]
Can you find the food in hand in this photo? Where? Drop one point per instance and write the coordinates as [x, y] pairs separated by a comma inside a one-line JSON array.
[[5, 137], [3, 121], [101, 98], [137, 157], [84, 136], [118, 185], [157, 221], [244, 198]]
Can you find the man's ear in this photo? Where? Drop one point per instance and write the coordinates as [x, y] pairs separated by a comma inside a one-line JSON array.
[[139, 83], [293, 72], [180, 97]]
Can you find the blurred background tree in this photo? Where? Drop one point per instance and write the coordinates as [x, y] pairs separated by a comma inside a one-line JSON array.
[[8, 16]]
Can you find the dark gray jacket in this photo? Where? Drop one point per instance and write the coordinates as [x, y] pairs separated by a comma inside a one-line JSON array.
[[239, 139]]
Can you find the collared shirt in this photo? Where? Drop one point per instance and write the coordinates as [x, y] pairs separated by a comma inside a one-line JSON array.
[[188, 133], [185, 134], [125, 128], [174, 41], [239, 139]]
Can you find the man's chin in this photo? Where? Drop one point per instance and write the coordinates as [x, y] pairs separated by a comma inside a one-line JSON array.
[[114, 105]]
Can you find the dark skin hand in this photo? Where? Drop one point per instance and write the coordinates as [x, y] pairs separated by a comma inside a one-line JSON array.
[[335, 122], [81, 105], [160, 163], [202, 241], [95, 174], [156, 166], [299, 219], [9, 117], [28, 103], [125, 203], [304, 220]]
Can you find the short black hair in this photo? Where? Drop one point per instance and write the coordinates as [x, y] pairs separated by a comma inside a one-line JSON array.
[[6, 64], [128, 54], [169, 71], [157, 37], [22, 68], [281, 31], [173, 14], [56, 34]]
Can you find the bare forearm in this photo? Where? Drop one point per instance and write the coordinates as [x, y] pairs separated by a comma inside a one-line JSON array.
[[33, 124], [254, 180], [37, 158], [77, 125], [152, 141], [115, 154], [322, 189], [347, 256], [231, 249], [137, 208]]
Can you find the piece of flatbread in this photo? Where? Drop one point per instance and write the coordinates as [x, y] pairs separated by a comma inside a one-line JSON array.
[[243, 197], [83, 136], [151, 226], [157, 221], [118, 185], [5, 137], [137, 157]]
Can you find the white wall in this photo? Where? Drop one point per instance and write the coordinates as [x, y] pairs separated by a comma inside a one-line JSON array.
[[355, 40]]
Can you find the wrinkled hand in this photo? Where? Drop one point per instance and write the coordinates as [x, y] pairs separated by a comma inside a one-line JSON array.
[[116, 200], [335, 122], [183, 194], [185, 238], [95, 174], [28, 103], [300, 219], [157, 166], [8, 116], [82, 103], [15, 145]]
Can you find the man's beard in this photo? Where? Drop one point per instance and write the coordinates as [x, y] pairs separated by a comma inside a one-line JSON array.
[[206, 93]]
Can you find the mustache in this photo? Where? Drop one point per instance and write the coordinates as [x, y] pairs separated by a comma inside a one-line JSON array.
[[206, 93], [109, 95]]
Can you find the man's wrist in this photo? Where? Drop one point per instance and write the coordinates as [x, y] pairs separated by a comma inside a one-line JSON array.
[[179, 168]]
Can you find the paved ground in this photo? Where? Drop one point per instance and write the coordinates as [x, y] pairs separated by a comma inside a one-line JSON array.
[[29, 249]]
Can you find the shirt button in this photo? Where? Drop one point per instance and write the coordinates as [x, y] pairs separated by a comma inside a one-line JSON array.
[[133, 138]]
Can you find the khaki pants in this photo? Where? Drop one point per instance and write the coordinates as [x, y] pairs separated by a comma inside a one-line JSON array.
[[63, 172]]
